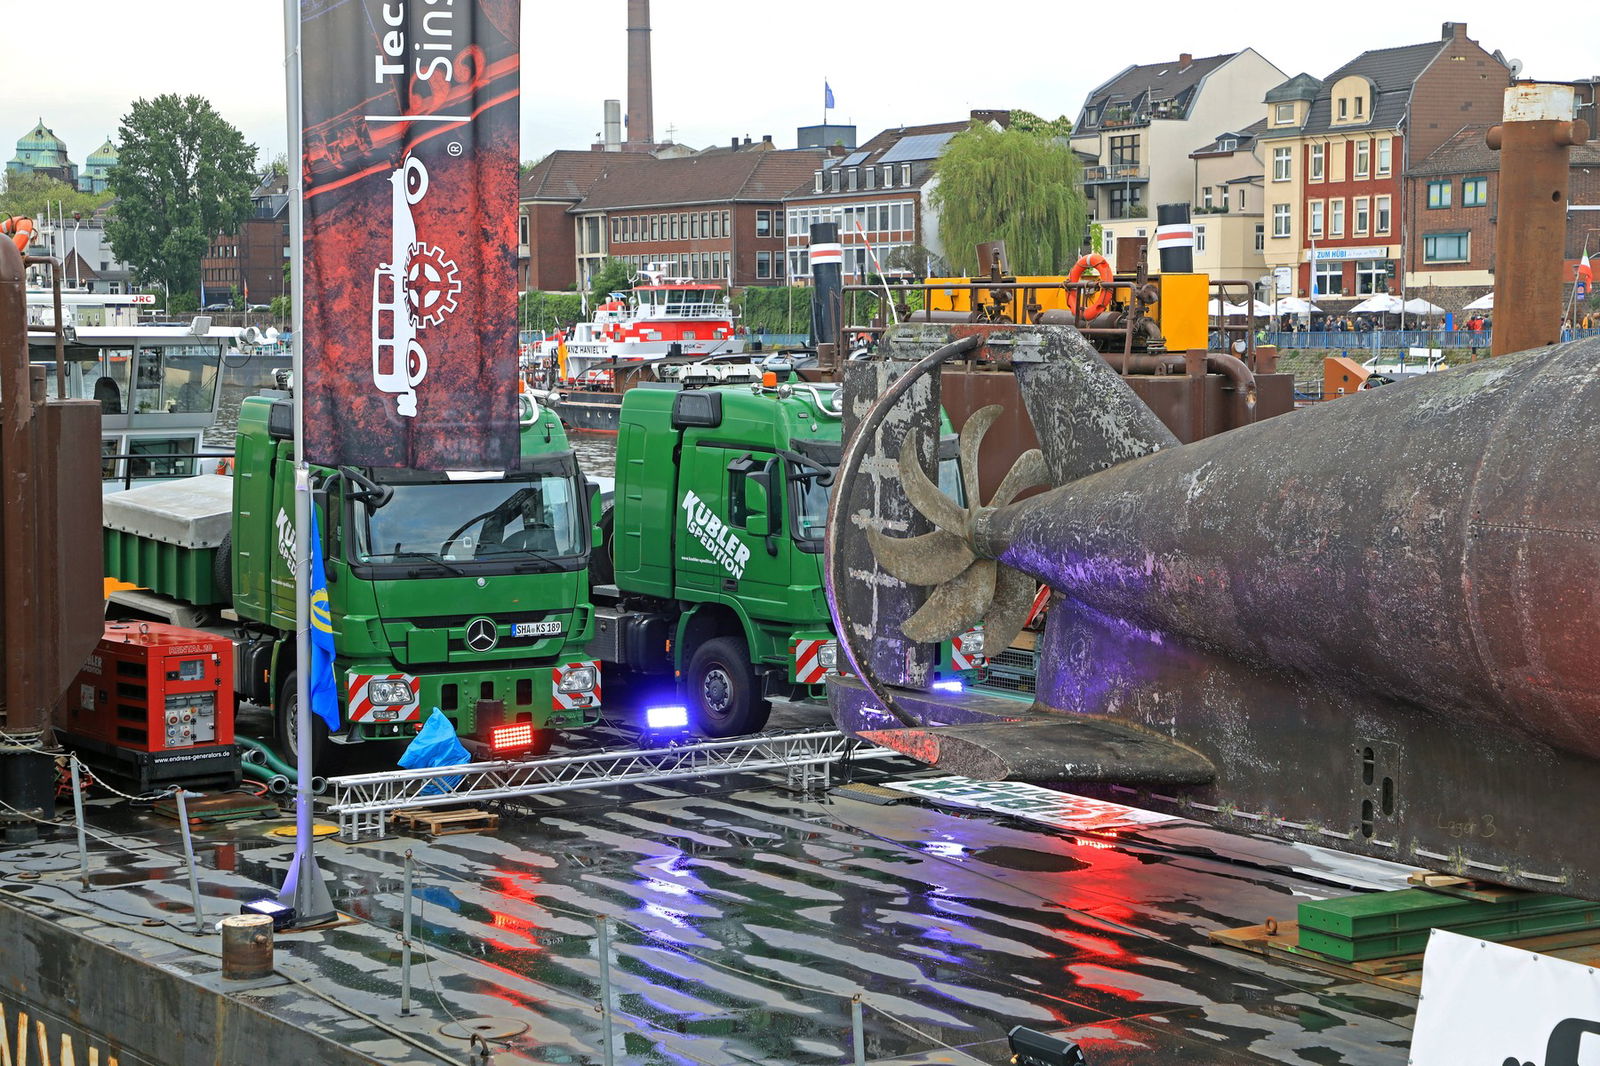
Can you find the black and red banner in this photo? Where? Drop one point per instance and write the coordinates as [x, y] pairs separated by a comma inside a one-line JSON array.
[[410, 169]]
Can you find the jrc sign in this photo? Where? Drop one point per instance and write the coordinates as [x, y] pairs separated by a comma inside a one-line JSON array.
[[715, 536]]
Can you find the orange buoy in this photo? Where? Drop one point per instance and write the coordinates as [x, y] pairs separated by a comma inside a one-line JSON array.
[[1101, 298]]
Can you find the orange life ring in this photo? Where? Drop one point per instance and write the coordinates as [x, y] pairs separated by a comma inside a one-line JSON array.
[[1101, 299], [20, 229]]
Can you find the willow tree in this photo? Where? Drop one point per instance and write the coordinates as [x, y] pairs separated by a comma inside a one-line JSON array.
[[1021, 186]]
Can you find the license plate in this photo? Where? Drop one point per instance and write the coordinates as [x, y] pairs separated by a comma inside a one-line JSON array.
[[536, 629]]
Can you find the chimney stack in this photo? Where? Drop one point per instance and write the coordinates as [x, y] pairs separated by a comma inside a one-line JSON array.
[[613, 127], [641, 121], [1184, 59]]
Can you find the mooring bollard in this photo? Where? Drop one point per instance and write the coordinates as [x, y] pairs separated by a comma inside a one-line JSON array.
[[246, 947]]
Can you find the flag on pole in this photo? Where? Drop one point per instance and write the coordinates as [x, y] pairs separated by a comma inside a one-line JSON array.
[[827, 96], [1585, 271], [324, 690]]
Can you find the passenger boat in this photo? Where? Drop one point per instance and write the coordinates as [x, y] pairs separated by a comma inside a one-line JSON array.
[[664, 328]]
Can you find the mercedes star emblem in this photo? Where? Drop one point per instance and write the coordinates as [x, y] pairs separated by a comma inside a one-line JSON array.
[[482, 634]]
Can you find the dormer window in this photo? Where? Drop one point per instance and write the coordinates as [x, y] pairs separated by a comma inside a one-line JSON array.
[[816, 185], [1283, 114], [1360, 106], [1344, 108], [1227, 144]]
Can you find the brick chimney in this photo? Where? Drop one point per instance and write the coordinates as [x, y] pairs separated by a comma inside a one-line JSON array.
[[1453, 30], [1184, 59], [641, 121]]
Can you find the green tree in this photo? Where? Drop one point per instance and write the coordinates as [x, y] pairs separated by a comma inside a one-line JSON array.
[[183, 175], [27, 194], [1016, 186], [614, 276]]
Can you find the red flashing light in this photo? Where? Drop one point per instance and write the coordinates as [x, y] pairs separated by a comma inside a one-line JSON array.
[[511, 737]]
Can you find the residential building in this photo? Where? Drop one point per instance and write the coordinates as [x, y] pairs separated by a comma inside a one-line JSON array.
[[1453, 197], [88, 262], [547, 257], [717, 215], [1228, 212], [1140, 127], [247, 266], [1336, 150], [877, 195]]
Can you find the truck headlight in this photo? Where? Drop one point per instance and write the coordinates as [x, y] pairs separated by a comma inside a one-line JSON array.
[[388, 693], [972, 642], [579, 679], [828, 655]]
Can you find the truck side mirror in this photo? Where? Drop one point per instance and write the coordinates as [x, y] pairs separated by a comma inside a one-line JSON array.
[[597, 538]]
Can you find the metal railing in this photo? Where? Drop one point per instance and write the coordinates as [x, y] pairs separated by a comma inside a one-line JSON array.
[[191, 462]]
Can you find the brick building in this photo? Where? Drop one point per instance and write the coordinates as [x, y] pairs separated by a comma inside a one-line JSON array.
[[1336, 151], [248, 266], [716, 215], [547, 254]]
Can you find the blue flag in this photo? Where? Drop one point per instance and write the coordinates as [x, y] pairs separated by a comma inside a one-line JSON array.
[[324, 691], [827, 95]]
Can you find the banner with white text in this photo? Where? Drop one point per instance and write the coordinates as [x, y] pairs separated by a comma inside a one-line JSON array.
[[410, 168]]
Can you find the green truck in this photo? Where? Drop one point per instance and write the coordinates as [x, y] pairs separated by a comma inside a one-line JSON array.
[[464, 592], [708, 586]]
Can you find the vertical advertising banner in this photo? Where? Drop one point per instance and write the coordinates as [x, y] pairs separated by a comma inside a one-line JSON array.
[[409, 157]]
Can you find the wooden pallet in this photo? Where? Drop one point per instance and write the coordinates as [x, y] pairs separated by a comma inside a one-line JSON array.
[[439, 823], [1280, 941]]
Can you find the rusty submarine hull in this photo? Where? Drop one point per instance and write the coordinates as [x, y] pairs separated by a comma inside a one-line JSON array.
[[1372, 624]]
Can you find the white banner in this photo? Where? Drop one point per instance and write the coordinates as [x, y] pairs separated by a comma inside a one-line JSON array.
[[1060, 809], [1493, 1004]]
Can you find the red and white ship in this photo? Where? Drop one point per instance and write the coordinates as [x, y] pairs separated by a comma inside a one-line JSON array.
[[661, 317]]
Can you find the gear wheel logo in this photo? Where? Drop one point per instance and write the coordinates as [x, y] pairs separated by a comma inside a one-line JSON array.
[[432, 285]]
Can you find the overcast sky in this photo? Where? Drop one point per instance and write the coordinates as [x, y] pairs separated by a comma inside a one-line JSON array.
[[725, 68]]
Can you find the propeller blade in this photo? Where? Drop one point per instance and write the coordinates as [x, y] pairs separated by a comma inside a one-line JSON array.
[[1029, 471], [931, 559], [972, 435], [955, 605], [925, 496], [1013, 602]]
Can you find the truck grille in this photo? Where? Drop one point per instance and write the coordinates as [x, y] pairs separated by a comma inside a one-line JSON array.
[[1013, 670]]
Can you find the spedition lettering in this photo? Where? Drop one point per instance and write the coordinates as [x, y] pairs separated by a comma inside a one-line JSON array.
[[437, 36], [715, 536]]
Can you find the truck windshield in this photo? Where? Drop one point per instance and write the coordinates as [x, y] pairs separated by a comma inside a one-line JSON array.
[[456, 522], [811, 502]]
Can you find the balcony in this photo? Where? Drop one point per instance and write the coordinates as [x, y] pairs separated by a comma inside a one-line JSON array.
[[1115, 172]]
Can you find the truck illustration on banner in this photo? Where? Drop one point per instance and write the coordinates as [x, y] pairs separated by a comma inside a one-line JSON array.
[[416, 289]]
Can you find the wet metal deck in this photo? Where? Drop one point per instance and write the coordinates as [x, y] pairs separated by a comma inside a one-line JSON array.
[[746, 916]]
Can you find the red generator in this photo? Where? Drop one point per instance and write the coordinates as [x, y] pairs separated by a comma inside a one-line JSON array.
[[154, 704]]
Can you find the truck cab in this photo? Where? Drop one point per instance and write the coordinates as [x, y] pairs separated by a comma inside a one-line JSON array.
[[462, 591], [715, 539]]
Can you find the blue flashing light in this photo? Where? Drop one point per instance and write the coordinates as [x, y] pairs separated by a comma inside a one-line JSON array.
[[667, 718], [947, 686]]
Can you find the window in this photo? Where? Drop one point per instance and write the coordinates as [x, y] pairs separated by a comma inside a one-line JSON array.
[[888, 176], [694, 226], [1381, 208], [855, 178], [816, 184], [1344, 108], [1329, 278], [763, 224], [1445, 248], [1280, 220], [1205, 198], [1281, 161], [838, 179], [1261, 237], [1438, 194], [1385, 155], [1199, 239], [1315, 216], [1227, 144], [1361, 105], [655, 227], [1474, 192], [1125, 151], [1319, 157], [1223, 203], [1372, 276], [1336, 217], [1283, 114], [905, 173], [1123, 199], [616, 231], [522, 233], [1363, 159], [1363, 210], [725, 230]]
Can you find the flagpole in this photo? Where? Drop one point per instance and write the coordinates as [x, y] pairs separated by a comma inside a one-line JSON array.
[[304, 887]]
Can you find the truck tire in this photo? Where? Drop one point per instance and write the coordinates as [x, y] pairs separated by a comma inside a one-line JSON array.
[[724, 692], [602, 565], [322, 749], [222, 570]]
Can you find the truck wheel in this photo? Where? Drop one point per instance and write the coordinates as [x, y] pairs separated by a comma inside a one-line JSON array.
[[724, 695], [321, 747], [222, 569]]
